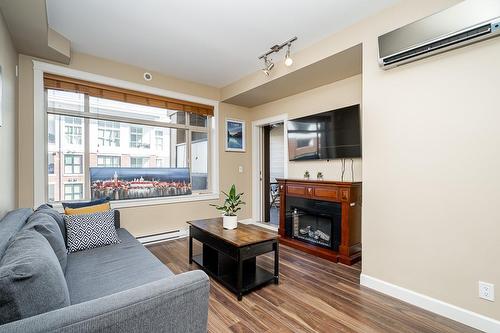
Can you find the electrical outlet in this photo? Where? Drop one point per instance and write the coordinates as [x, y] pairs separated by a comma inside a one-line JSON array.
[[240, 169], [487, 291]]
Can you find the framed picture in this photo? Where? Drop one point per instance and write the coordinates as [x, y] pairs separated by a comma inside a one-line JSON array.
[[235, 135]]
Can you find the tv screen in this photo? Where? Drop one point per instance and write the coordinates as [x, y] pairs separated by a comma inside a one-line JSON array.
[[328, 135]]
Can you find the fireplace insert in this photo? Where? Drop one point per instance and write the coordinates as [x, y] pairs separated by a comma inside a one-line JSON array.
[[314, 221]]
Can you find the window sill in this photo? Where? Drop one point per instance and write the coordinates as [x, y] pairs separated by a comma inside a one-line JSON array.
[[155, 201]]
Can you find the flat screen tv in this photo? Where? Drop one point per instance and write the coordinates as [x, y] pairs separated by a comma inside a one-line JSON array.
[[324, 136]]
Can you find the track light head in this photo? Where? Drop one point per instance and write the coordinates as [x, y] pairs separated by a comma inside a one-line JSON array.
[[268, 66], [288, 59]]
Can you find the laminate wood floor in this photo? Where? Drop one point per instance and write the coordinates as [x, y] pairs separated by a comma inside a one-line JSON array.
[[314, 295]]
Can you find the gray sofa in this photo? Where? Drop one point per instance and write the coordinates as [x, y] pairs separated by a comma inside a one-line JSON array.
[[115, 288]]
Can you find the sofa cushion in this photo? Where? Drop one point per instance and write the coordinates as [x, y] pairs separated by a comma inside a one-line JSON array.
[[47, 226], [88, 231], [10, 224], [31, 279], [88, 210], [58, 217], [85, 203], [107, 270]]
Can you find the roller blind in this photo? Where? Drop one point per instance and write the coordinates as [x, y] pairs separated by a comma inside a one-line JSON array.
[[57, 82]]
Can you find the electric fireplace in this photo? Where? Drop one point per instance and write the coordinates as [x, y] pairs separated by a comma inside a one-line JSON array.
[[314, 221], [322, 218]]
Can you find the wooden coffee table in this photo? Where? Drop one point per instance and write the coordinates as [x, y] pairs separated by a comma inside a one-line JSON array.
[[229, 256]]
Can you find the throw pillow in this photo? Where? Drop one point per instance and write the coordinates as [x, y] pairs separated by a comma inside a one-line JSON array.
[[47, 209], [87, 210], [31, 278], [85, 203], [48, 228], [89, 231]]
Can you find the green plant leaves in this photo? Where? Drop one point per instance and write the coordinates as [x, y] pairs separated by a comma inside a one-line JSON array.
[[231, 203]]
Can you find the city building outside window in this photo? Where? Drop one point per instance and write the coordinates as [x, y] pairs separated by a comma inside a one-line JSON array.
[[50, 164], [108, 133], [73, 130], [51, 124], [108, 161], [139, 162], [136, 136], [73, 164], [159, 140], [51, 194], [73, 191]]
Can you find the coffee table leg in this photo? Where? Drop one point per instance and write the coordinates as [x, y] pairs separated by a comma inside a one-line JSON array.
[[190, 247], [239, 281], [276, 263]]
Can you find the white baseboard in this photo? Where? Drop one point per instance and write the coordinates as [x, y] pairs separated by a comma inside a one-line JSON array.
[[166, 236], [444, 309]]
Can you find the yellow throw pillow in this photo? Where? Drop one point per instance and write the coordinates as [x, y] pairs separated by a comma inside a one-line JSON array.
[[87, 210]]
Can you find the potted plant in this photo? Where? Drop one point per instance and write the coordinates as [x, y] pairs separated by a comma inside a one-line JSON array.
[[229, 208], [319, 176], [307, 175]]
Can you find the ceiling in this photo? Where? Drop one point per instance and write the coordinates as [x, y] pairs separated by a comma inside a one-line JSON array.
[[334, 68], [212, 42]]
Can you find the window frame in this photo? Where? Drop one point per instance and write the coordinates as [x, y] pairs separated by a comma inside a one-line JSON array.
[[110, 157], [40, 133], [82, 193], [87, 116], [103, 126], [72, 165]]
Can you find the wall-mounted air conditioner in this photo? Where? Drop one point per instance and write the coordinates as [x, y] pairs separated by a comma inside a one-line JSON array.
[[468, 22]]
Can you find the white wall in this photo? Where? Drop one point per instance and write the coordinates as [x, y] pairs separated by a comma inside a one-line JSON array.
[[8, 129], [431, 166]]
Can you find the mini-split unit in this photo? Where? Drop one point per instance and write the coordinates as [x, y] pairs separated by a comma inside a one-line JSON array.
[[466, 23]]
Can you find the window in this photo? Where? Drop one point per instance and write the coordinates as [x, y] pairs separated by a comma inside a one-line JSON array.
[[51, 194], [108, 133], [73, 130], [50, 166], [199, 160], [159, 140], [108, 161], [73, 191], [139, 162], [136, 137], [101, 147], [73, 164]]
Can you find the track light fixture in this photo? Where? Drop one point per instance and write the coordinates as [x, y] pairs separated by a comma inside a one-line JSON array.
[[268, 64]]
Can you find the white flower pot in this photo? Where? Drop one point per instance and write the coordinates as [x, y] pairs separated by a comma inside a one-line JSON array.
[[230, 222]]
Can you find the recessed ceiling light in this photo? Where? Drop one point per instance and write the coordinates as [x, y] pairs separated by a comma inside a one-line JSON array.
[[148, 76]]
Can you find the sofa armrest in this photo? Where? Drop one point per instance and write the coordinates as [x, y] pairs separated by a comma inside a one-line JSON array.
[[175, 304]]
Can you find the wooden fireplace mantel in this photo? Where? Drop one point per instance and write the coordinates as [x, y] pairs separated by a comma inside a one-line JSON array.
[[348, 194]]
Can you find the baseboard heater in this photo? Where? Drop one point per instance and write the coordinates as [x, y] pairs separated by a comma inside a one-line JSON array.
[[162, 237]]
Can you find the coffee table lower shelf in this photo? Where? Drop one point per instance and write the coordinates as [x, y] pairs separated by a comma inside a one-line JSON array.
[[253, 276]]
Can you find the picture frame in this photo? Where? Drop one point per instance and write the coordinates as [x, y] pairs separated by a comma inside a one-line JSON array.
[[235, 135]]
